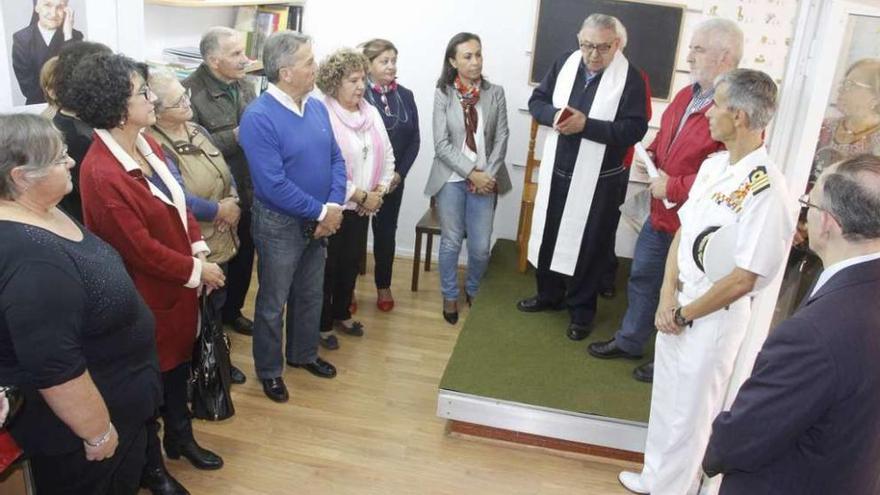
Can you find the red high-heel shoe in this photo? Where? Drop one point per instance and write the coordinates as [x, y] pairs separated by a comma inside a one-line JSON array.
[[386, 305]]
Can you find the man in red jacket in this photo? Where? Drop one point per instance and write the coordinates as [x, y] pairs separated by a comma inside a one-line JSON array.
[[681, 145]]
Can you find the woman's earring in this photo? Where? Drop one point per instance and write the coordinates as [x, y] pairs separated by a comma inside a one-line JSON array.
[[121, 123]]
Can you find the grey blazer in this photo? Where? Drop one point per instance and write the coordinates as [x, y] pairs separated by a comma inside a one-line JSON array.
[[449, 135]]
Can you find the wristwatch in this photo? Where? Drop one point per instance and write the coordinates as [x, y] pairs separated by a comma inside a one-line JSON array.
[[679, 319]]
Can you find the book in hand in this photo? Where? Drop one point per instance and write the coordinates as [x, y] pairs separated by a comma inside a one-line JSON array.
[[563, 115]]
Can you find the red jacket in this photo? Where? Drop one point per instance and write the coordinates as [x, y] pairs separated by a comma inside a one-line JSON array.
[[680, 158], [119, 207]]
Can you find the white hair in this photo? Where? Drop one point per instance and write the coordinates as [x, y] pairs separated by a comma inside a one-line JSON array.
[[604, 21], [724, 34], [160, 82]]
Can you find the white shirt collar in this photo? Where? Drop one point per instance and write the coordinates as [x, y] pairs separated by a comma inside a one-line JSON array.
[[832, 270], [287, 101], [46, 33]]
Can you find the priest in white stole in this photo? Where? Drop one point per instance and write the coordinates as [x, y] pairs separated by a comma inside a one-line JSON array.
[[582, 176]]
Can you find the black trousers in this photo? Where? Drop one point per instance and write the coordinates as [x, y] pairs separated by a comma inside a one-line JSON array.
[[72, 473], [341, 267], [579, 291], [611, 274], [174, 413], [384, 234], [241, 267]]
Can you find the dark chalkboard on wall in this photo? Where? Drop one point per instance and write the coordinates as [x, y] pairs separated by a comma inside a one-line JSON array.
[[653, 33]]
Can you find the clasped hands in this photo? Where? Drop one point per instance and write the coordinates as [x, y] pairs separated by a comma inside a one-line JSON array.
[[481, 182], [228, 214], [371, 202], [664, 320]]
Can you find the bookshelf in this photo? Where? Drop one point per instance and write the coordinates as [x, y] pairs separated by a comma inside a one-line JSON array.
[[177, 31], [221, 3]]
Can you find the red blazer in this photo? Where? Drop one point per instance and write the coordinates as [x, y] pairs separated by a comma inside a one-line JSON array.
[[680, 158], [119, 207]]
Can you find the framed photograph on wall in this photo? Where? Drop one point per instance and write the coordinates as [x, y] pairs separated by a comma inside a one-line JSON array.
[[32, 31]]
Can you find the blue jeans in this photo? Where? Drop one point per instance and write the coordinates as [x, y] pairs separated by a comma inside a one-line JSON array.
[[643, 289], [464, 213], [290, 270]]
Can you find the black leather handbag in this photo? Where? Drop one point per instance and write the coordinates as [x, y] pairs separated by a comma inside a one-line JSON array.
[[211, 378]]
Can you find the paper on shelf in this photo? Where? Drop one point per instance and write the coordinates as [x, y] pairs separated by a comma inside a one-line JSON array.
[[652, 169]]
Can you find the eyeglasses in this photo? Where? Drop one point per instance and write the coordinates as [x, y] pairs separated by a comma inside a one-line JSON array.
[[146, 93], [183, 101], [64, 159], [588, 48], [849, 84]]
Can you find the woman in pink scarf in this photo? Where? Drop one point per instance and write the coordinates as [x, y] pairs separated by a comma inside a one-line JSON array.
[[369, 163]]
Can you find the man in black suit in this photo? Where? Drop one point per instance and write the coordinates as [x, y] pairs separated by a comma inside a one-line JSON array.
[[808, 419], [40, 41]]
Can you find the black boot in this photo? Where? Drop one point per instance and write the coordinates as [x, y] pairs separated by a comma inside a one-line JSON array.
[[199, 457], [160, 482]]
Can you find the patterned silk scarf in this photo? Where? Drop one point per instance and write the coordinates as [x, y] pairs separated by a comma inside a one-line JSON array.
[[469, 97]]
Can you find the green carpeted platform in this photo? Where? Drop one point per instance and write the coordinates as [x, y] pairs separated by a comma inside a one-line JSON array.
[[505, 354]]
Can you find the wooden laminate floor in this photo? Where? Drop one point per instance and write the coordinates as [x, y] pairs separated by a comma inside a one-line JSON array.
[[373, 429]]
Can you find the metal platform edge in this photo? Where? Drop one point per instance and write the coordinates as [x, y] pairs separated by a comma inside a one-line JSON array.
[[552, 423]]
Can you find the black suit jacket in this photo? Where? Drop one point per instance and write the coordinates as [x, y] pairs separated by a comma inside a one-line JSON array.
[[29, 53], [808, 420]]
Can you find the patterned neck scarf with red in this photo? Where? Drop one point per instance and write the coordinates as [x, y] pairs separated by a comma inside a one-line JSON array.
[[469, 96]]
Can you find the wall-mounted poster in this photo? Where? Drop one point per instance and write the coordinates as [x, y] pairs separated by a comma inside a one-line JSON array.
[[35, 31], [851, 126], [31, 31]]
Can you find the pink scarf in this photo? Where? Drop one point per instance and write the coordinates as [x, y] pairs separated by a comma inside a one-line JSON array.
[[345, 126]]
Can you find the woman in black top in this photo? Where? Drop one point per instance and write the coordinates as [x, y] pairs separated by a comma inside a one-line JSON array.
[[77, 134], [398, 110], [75, 335]]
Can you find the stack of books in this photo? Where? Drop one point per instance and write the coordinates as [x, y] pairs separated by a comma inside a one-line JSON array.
[[258, 22]]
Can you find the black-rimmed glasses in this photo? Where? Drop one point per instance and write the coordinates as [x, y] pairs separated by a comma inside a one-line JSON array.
[[147, 93], [588, 48]]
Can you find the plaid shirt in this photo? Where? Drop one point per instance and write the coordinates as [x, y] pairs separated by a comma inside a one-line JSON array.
[[699, 100]]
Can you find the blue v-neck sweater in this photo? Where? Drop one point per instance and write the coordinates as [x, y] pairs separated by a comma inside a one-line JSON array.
[[296, 165]]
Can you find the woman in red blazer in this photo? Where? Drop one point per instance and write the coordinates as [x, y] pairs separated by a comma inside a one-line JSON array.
[[131, 200]]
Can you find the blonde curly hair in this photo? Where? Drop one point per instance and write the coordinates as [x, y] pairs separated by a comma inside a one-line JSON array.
[[337, 66]]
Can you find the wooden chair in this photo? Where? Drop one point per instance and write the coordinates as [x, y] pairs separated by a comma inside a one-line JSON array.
[[429, 225], [527, 205]]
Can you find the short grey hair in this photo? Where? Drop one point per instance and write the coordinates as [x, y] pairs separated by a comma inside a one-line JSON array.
[[725, 35], [751, 91], [213, 37], [851, 192], [279, 51], [604, 21], [28, 141], [160, 81]]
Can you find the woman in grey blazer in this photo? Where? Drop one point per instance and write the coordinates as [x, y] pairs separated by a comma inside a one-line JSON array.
[[468, 173]]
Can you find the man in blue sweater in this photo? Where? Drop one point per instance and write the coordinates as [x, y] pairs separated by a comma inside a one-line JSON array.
[[299, 180]]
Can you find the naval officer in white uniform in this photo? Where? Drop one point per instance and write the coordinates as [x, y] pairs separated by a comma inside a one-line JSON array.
[[703, 324]]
